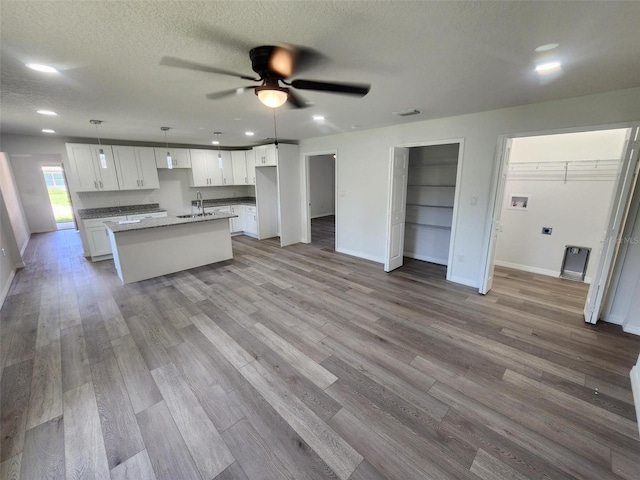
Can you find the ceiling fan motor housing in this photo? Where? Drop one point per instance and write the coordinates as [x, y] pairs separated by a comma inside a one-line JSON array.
[[260, 60]]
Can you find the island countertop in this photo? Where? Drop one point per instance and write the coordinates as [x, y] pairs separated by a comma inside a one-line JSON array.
[[147, 223]]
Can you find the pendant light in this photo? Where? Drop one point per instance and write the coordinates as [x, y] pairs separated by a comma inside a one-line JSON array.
[[101, 155], [169, 159], [217, 135]]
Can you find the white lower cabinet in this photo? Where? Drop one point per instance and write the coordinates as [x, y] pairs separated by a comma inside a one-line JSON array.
[[236, 223], [98, 234], [250, 220]]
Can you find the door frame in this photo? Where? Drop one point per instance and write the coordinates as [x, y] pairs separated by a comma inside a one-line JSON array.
[[306, 194], [496, 203], [456, 198]]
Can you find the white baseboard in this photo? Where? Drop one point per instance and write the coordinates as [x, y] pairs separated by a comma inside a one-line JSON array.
[[24, 247], [541, 271], [615, 319], [634, 329], [527, 268], [426, 258], [7, 286], [360, 255], [635, 388], [464, 281]]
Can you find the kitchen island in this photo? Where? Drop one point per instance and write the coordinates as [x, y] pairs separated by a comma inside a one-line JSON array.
[[158, 246]]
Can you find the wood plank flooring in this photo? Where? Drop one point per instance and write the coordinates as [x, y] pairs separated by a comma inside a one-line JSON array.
[[301, 363]]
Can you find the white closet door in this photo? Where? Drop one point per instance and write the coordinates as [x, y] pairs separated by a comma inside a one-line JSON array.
[[397, 209]]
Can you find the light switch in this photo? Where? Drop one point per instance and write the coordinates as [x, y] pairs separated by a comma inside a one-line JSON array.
[[342, 193]]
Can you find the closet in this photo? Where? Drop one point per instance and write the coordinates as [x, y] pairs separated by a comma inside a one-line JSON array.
[[431, 187]]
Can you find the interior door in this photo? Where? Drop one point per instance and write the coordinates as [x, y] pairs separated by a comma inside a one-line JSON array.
[[397, 209], [490, 263], [620, 201]]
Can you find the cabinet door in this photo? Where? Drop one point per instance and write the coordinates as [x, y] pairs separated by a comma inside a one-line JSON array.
[[251, 167], [180, 157], [105, 170], [239, 161], [82, 167], [271, 156], [260, 155], [250, 220], [227, 168], [199, 169], [98, 241], [127, 168], [237, 223], [214, 165], [147, 170]]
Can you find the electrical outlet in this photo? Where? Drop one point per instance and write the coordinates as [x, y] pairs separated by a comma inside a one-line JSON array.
[[474, 201], [342, 193], [4, 252]]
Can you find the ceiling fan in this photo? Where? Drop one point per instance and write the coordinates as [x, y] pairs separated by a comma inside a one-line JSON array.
[[274, 65]]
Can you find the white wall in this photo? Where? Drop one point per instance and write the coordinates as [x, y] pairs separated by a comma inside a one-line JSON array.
[[322, 175], [622, 305], [577, 210], [567, 147], [33, 190], [14, 232], [363, 169], [17, 218]]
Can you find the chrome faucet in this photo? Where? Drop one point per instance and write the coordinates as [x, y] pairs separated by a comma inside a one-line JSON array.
[[200, 202]]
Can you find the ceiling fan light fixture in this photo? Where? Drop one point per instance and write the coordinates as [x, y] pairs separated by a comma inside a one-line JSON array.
[[272, 97]]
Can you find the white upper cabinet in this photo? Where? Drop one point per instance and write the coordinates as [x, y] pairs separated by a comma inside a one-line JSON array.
[[239, 161], [204, 168], [92, 167], [265, 156], [211, 168], [226, 167], [251, 167], [180, 157], [136, 167]]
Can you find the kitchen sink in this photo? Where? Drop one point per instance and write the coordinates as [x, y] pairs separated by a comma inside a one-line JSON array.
[[194, 215]]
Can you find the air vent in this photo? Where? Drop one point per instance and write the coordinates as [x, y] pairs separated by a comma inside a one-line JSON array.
[[407, 113]]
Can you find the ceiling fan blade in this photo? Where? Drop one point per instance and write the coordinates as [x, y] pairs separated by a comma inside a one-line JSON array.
[[189, 65], [359, 89], [289, 59], [295, 101], [228, 93]]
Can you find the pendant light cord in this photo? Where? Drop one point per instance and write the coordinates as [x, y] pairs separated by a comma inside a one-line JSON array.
[[98, 134]]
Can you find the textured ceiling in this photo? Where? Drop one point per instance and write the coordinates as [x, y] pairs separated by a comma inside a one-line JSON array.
[[443, 58]]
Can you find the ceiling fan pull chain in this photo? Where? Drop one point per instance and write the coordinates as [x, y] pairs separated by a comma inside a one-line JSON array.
[[275, 129]]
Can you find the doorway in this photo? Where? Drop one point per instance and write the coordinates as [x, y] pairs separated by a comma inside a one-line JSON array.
[[322, 199], [615, 212], [59, 198], [423, 201]]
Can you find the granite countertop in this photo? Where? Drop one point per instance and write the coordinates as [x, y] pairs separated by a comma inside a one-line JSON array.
[[89, 213], [146, 223], [216, 202]]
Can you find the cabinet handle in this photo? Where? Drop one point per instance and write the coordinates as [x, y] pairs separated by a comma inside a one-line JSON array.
[[95, 184], [224, 180], [138, 182], [142, 183], [246, 180], [101, 186]]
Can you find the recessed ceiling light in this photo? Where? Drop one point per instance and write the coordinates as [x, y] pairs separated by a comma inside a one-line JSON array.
[[47, 112], [249, 134], [215, 142], [546, 47], [48, 130], [318, 118], [41, 68], [548, 67]]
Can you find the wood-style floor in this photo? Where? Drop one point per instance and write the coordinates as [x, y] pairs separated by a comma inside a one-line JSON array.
[[300, 363]]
